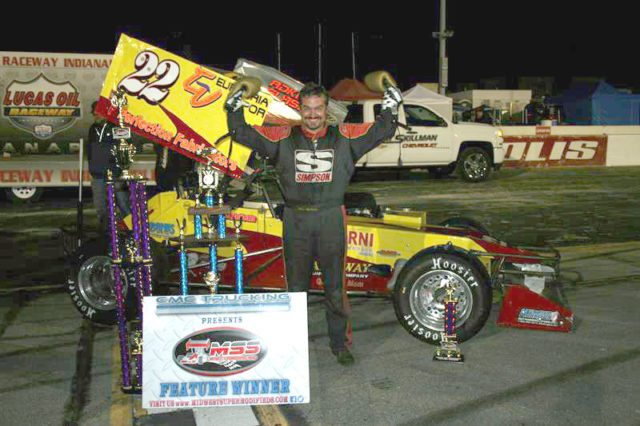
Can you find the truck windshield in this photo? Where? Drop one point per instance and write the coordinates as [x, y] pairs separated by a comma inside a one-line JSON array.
[[420, 116]]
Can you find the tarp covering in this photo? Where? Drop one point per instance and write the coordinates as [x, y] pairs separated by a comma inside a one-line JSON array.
[[598, 104], [420, 95], [352, 90]]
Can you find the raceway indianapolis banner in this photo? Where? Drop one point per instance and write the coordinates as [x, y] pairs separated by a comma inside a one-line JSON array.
[[547, 150], [176, 103], [217, 350], [53, 173]]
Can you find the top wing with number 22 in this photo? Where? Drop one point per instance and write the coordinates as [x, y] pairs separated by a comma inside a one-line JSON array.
[[176, 103]]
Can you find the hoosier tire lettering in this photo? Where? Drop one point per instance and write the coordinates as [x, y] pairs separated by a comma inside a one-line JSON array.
[[90, 284]]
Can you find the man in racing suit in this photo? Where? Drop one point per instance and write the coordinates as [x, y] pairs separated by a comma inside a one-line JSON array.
[[315, 163]]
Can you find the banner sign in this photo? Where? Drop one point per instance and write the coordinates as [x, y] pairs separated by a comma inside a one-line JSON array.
[[546, 151], [43, 172], [218, 350], [177, 103], [46, 99]]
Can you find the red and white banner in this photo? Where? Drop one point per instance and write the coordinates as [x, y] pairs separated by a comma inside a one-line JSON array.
[[57, 173], [548, 150]]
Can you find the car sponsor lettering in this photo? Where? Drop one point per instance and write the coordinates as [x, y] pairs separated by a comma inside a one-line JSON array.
[[388, 253], [359, 238], [246, 218], [219, 352], [536, 316], [284, 93], [199, 85], [161, 229], [353, 270], [360, 242]]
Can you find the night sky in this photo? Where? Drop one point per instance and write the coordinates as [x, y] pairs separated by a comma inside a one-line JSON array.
[[492, 39]]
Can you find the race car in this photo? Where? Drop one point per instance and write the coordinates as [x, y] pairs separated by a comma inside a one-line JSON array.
[[390, 253]]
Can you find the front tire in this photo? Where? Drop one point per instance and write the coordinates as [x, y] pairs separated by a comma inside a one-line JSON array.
[[421, 288], [91, 284], [474, 164]]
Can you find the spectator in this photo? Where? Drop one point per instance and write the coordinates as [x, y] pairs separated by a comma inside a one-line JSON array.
[[99, 157]]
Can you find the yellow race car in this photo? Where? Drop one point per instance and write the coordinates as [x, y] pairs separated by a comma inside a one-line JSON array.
[[392, 253]]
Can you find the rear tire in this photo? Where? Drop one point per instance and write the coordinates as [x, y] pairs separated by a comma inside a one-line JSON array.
[[420, 290]]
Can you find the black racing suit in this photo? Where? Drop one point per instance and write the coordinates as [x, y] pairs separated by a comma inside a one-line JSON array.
[[314, 178]]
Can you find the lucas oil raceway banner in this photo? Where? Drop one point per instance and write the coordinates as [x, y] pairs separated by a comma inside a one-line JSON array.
[[177, 103], [218, 350], [46, 99]]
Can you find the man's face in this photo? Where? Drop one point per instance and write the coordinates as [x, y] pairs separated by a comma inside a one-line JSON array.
[[96, 117], [314, 113]]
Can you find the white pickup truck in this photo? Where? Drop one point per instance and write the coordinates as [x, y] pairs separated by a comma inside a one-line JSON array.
[[426, 139]]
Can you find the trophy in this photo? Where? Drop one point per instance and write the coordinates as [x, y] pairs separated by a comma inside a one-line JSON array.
[[449, 349], [238, 258], [184, 264], [124, 151]]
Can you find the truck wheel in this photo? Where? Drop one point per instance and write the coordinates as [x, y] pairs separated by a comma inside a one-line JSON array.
[[421, 288], [465, 223], [24, 194], [91, 284], [474, 164]]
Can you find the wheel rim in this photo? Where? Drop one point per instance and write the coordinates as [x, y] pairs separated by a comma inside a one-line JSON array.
[[24, 192], [476, 166], [96, 283], [427, 295]]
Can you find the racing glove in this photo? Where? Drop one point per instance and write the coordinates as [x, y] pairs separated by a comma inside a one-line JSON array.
[[392, 99], [235, 102]]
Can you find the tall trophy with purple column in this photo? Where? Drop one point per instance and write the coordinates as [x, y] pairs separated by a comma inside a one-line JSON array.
[[136, 249], [449, 349]]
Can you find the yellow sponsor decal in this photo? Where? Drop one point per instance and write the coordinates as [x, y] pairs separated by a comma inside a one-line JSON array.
[[177, 103]]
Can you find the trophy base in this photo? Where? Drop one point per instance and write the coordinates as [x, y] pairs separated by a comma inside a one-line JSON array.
[[132, 390], [448, 352]]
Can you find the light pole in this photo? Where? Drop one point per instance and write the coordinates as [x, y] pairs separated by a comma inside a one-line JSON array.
[[443, 62]]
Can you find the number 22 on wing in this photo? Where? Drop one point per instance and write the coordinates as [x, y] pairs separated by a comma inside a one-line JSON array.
[[147, 65]]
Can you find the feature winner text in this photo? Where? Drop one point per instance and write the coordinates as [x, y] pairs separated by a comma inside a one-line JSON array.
[[221, 388]]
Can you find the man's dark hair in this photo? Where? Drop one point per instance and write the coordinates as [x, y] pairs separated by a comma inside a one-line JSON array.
[[93, 106], [314, 89]]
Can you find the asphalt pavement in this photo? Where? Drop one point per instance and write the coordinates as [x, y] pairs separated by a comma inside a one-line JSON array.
[[57, 368]]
